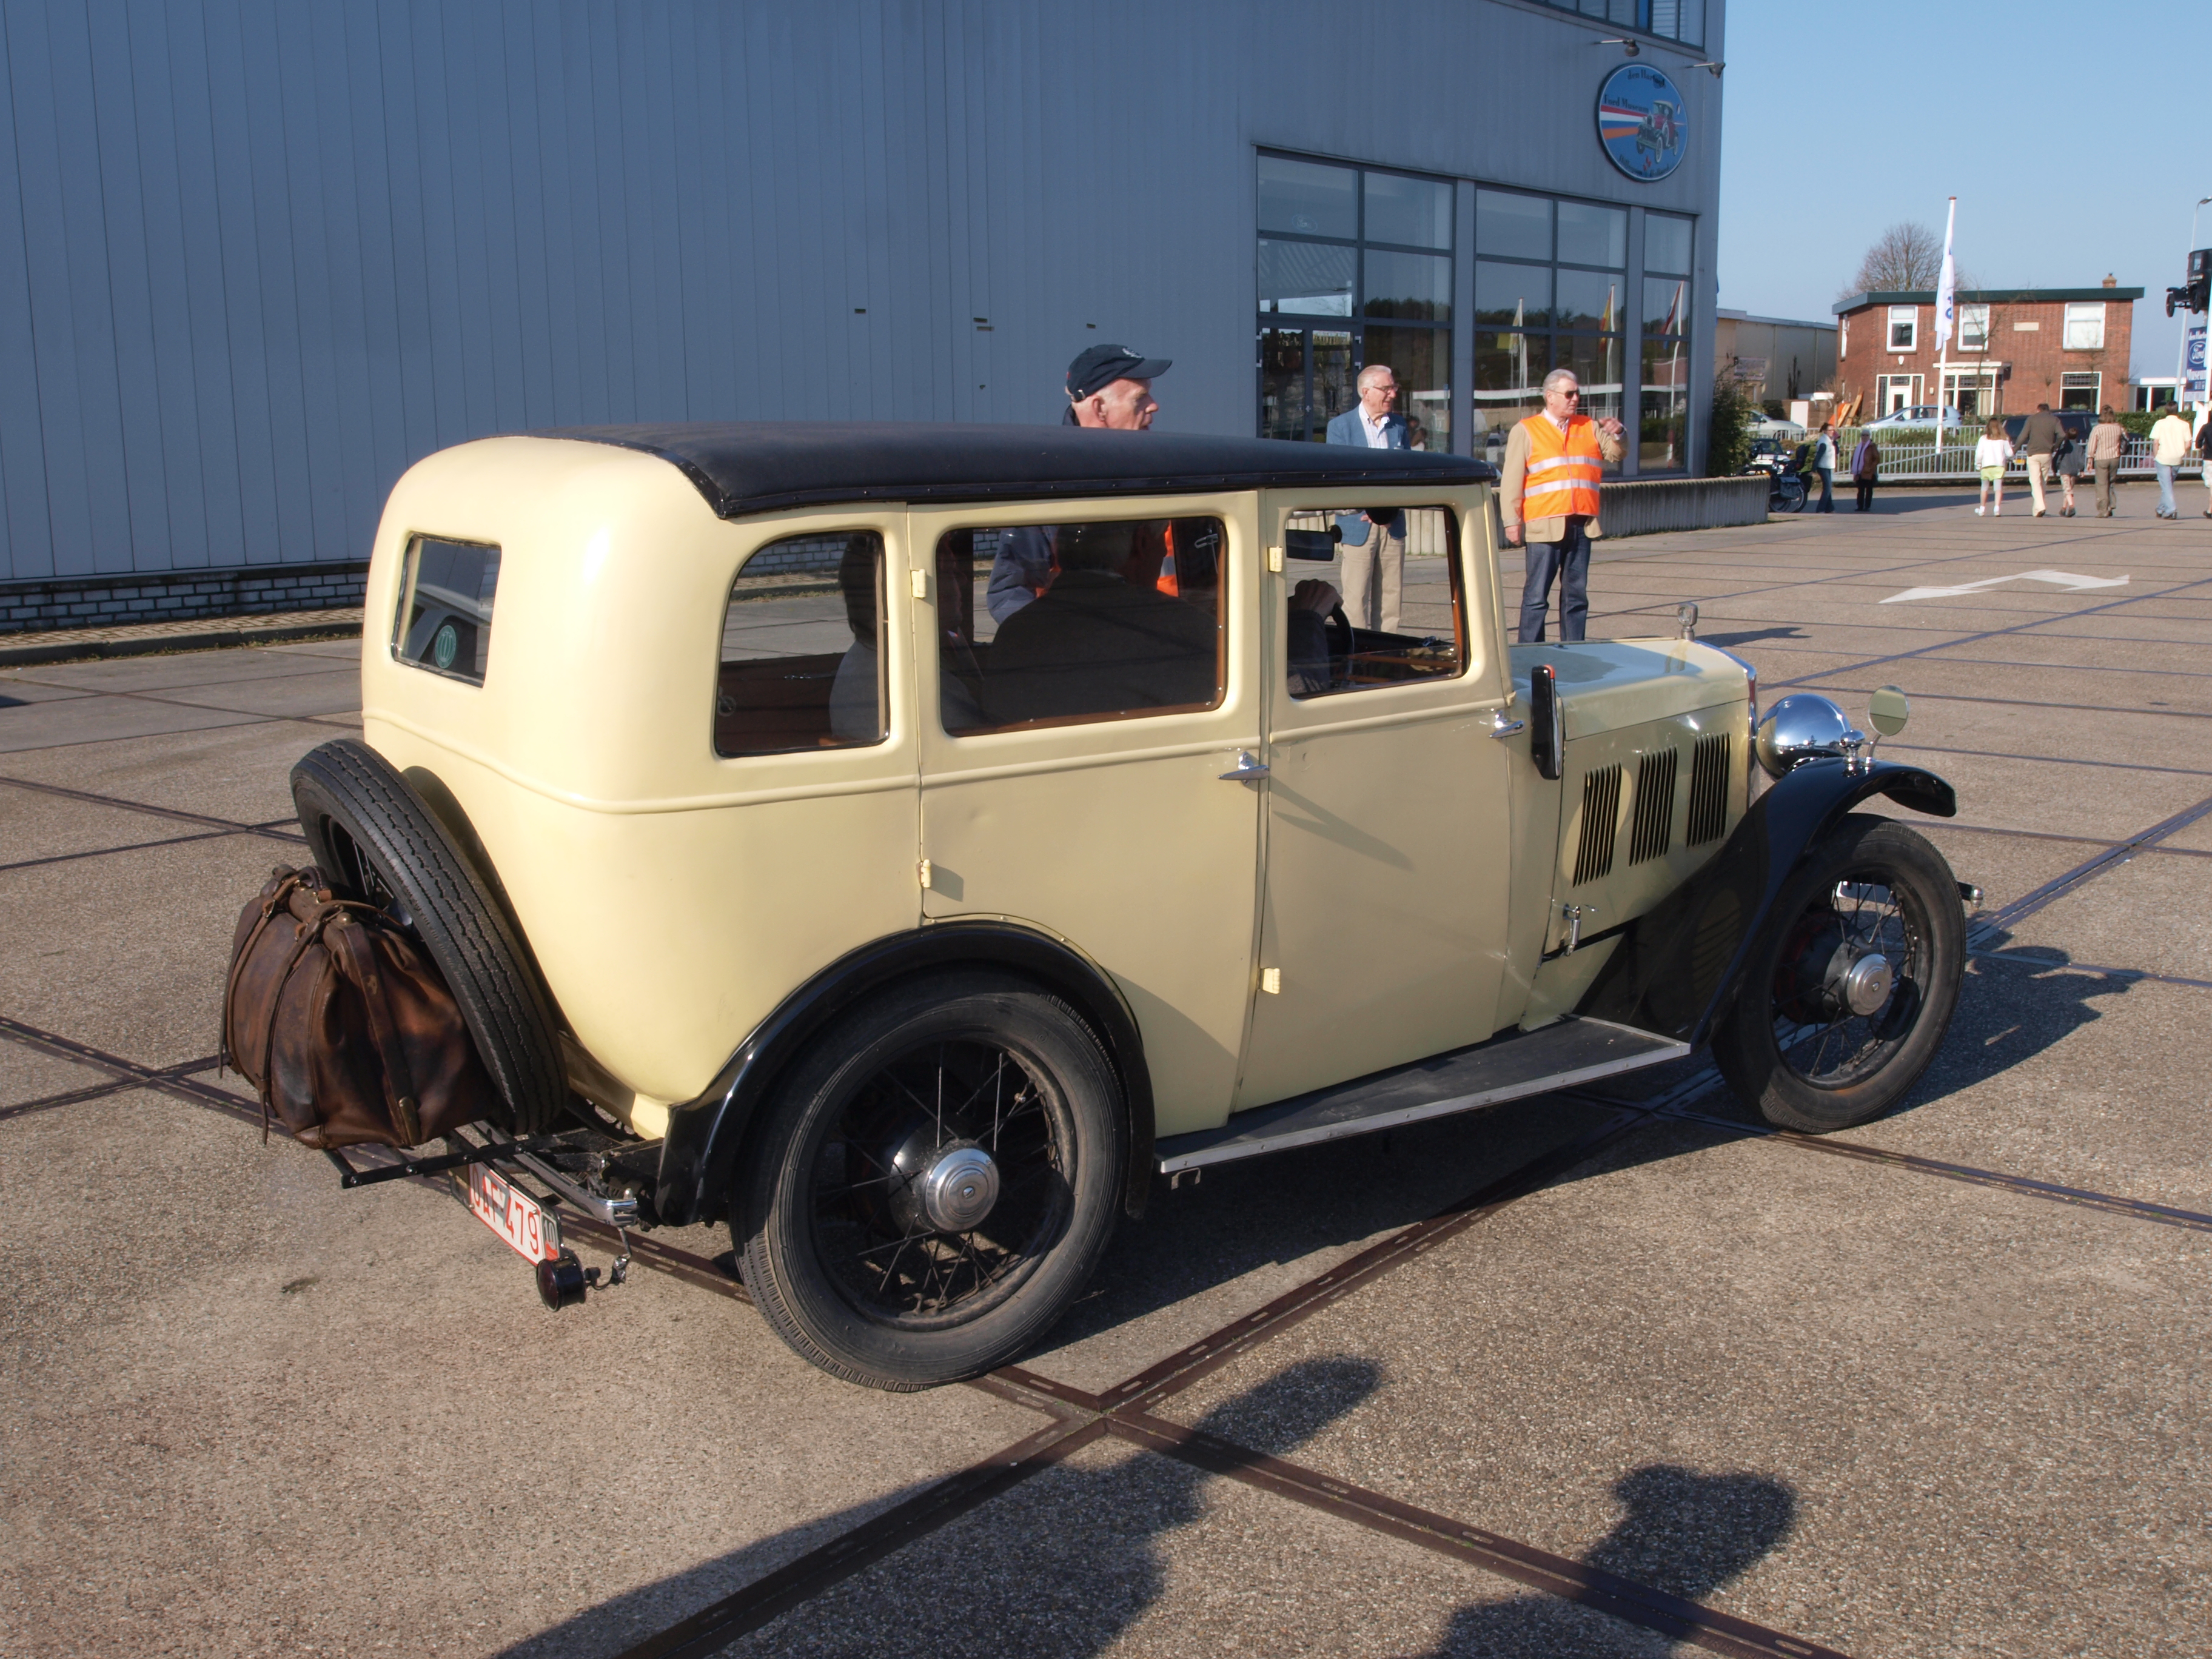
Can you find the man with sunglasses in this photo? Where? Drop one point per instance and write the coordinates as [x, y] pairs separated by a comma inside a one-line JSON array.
[[1548, 500]]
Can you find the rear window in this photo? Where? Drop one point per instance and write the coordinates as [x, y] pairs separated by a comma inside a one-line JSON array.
[[802, 647], [444, 620]]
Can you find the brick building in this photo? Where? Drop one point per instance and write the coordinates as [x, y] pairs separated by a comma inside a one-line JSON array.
[[2014, 348]]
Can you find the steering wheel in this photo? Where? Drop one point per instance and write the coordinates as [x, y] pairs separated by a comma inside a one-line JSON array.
[[1339, 634]]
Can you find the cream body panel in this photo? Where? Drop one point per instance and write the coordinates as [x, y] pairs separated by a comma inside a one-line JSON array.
[[1118, 836], [672, 897], [1389, 848], [1607, 684]]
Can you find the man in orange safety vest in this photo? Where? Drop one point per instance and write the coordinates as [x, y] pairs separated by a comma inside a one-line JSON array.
[[1548, 500]]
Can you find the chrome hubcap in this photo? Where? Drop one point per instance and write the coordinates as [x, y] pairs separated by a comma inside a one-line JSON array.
[[955, 1189], [1867, 983]]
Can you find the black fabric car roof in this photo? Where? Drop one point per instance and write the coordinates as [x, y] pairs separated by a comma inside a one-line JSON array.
[[752, 467]]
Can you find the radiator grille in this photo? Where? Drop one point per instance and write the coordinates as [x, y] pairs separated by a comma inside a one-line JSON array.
[[1709, 781], [1653, 831], [1601, 809]]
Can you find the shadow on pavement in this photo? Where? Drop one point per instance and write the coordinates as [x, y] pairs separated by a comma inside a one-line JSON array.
[[1070, 1561]]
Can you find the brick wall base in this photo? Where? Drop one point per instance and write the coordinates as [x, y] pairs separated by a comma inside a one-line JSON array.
[[58, 602]]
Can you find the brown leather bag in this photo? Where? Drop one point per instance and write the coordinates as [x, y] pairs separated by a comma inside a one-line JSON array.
[[344, 1024]]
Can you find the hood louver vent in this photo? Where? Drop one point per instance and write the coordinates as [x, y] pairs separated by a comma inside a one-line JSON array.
[[1601, 811], [1709, 781], [1653, 832]]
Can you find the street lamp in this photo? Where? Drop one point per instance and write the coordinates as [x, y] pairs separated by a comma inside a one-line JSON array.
[[2181, 346]]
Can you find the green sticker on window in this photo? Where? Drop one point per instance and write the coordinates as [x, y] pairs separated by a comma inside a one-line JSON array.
[[444, 646]]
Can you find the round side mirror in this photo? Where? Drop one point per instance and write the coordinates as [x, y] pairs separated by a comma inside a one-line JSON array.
[[1888, 711]]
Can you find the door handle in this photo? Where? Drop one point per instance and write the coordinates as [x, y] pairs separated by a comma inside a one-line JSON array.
[[1249, 766], [1502, 727]]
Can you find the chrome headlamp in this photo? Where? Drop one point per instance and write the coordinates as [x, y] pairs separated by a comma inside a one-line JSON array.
[[1803, 726]]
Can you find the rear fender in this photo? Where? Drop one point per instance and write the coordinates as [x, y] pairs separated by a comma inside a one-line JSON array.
[[706, 1135], [1680, 964]]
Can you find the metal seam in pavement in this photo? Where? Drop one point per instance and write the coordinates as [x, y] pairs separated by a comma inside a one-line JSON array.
[[1555, 1575], [2111, 859], [2028, 958], [2047, 760], [2136, 1209], [110, 851], [1994, 633], [230, 825], [2024, 703]]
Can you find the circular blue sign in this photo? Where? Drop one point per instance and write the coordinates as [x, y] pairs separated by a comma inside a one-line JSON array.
[[1642, 122]]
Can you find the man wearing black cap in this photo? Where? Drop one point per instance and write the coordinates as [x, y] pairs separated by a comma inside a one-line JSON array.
[[1108, 386], [1112, 386]]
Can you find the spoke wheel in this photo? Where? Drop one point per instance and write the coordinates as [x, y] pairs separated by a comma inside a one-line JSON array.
[[934, 1182], [1849, 996]]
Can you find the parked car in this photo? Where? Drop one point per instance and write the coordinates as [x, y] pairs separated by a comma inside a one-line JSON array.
[[781, 886], [1773, 425], [2076, 422], [1920, 415]]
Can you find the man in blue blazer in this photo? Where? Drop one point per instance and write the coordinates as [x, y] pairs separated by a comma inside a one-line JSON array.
[[1374, 563]]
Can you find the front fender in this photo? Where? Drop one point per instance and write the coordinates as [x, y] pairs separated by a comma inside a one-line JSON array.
[[1679, 964], [700, 1151]]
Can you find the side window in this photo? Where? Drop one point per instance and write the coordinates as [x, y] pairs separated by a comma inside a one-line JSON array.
[[444, 620], [1342, 634], [803, 648], [1060, 625]]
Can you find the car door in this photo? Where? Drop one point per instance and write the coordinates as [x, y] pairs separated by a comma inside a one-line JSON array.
[[1387, 851], [1068, 791]]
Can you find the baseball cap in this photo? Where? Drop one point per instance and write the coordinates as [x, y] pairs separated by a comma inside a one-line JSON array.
[[1100, 367]]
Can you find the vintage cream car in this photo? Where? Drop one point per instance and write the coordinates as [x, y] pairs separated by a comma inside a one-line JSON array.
[[905, 842]]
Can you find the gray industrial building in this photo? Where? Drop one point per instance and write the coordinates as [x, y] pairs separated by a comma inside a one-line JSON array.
[[258, 255]]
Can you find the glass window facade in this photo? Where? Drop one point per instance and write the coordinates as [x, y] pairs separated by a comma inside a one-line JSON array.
[[1550, 291], [1355, 268], [1664, 420], [1671, 19]]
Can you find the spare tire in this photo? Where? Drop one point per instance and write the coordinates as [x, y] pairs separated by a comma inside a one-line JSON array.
[[374, 839]]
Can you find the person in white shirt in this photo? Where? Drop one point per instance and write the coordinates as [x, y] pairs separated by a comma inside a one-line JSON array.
[[1992, 451], [1373, 549], [2169, 447]]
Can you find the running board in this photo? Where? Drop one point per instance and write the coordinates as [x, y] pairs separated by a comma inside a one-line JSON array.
[[1517, 1063]]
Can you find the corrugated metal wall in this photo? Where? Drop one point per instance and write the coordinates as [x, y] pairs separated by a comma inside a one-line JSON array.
[[257, 256]]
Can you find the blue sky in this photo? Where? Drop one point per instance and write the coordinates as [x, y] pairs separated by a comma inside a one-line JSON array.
[[2058, 126]]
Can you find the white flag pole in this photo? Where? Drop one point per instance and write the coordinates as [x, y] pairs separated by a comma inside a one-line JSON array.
[[1945, 303]]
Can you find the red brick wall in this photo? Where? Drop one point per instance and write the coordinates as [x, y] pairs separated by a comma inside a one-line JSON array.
[[2036, 354]]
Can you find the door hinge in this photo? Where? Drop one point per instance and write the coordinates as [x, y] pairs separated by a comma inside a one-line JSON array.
[[922, 870], [1271, 981], [1275, 559], [919, 581]]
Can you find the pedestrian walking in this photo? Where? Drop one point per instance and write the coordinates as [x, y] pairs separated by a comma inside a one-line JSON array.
[[2106, 439], [1548, 502], [2169, 447], [2039, 442], [1824, 463], [2204, 457], [1865, 463], [1373, 549], [2067, 464], [1992, 454]]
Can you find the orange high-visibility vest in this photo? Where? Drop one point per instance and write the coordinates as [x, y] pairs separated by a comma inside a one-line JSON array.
[[1564, 468]]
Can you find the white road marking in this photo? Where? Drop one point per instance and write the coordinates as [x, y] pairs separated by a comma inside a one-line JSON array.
[[2056, 578]]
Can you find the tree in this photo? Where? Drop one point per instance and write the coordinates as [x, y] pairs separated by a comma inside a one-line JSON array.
[[1906, 257], [1728, 439]]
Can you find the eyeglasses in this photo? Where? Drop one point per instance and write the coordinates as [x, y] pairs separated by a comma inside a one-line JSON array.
[[1570, 392]]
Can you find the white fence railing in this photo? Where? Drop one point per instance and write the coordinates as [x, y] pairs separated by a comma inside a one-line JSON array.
[[1954, 458]]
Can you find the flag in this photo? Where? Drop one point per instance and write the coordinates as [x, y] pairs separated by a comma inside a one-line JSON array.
[[1946, 283]]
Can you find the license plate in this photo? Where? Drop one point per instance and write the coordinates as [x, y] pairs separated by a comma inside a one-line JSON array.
[[532, 1230]]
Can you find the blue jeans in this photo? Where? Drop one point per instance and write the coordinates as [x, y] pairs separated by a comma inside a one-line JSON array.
[[2166, 509], [1827, 489], [1568, 559]]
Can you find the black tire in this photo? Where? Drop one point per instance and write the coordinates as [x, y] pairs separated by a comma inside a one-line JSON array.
[[838, 1250], [374, 838], [1791, 1046]]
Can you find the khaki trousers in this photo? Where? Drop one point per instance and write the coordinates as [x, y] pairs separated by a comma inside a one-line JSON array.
[[2039, 472], [2105, 471], [1374, 572]]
